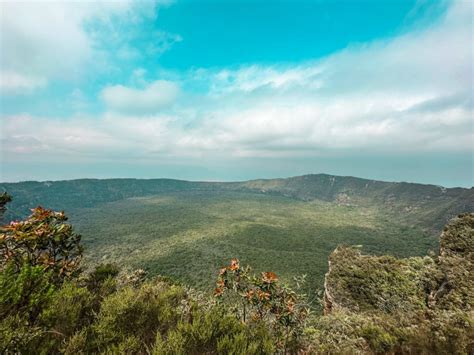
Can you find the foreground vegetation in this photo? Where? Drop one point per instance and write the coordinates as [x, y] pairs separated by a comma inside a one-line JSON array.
[[373, 304]]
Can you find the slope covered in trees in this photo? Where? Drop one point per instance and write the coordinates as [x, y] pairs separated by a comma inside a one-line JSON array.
[[428, 205]]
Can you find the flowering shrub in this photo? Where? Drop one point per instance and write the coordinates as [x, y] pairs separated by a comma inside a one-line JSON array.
[[43, 239], [263, 297]]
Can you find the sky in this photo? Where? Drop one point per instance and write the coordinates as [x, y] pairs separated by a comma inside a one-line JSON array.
[[236, 90]]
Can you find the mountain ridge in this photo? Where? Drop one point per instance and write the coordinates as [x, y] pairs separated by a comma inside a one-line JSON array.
[[237, 181], [430, 206]]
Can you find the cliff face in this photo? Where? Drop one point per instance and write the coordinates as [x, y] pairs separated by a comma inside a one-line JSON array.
[[456, 261], [361, 283], [381, 304]]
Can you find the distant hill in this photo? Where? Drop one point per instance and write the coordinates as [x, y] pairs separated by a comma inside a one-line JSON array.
[[428, 206]]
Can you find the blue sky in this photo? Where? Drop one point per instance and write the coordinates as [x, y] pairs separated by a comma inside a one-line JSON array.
[[233, 90]]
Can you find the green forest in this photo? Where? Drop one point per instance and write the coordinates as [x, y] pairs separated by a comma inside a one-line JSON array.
[[187, 230], [54, 300]]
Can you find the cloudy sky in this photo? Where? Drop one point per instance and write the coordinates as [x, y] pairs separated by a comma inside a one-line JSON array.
[[233, 90]]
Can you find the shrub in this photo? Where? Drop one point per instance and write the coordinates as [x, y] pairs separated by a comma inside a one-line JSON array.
[[263, 298], [140, 313], [385, 284], [345, 332], [70, 308], [43, 239], [450, 332], [102, 281], [214, 332], [374, 305], [25, 291], [79, 343], [16, 335]]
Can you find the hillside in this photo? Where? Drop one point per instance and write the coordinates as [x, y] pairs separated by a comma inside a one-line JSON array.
[[427, 205], [434, 204], [186, 230]]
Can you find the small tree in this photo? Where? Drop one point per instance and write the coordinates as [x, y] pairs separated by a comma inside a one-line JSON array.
[[43, 239], [4, 199]]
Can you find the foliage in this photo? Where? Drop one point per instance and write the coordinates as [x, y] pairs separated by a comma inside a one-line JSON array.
[[23, 294], [457, 262], [101, 274], [162, 318], [347, 333], [24, 291], [383, 304], [43, 239], [16, 335], [215, 332], [385, 283], [187, 236], [289, 226], [4, 199], [427, 205], [373, 304], [263, 298], [70, 309], [138, 312]]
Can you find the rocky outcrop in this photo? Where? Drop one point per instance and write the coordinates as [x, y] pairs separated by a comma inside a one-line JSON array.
[[456, 260], [362, 283]]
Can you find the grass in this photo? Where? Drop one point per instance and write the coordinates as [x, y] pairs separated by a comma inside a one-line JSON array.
[[188, 235]]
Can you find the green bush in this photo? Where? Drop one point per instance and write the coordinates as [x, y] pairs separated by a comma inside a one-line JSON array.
[[100, 275], [70, 309], [214, 332], [24, 291], [16, 335], [263, 298], [79, 343], [140, 313]]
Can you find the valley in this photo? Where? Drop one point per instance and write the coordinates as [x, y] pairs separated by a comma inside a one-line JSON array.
[[187, 230]]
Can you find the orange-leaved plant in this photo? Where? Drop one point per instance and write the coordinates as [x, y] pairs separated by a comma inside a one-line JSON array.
[[263, 298], [43, 239]]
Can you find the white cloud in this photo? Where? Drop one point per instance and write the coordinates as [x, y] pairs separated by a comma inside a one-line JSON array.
[[15, 83], [162, 42], [43, 38], [54, 40], [407, 95], [253, 77], [410, 93], [148, 100], [111, 135]]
